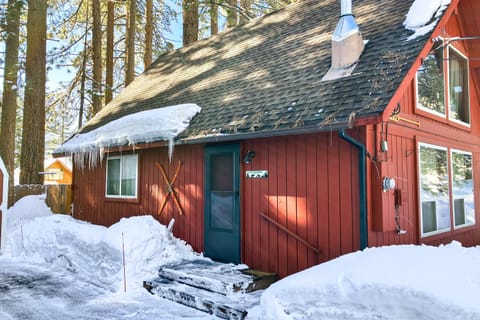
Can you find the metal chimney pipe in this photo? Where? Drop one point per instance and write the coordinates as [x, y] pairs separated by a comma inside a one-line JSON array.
[[347, 44], [346, 7]]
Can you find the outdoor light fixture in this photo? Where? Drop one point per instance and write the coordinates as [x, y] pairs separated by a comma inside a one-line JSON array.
[[248, 156]]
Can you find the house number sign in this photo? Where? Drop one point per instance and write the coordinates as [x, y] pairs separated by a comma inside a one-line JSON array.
[[257, 174]]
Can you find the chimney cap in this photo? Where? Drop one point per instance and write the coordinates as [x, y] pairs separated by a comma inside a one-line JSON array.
[[346, 26]]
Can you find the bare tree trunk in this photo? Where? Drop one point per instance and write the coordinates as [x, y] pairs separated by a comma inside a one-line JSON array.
[[97, 58], [232, 13], [33, 138], [246, 14], [109, 53], [213, 17], [130, 40], [9, 99], [147, 55], [190, 21]]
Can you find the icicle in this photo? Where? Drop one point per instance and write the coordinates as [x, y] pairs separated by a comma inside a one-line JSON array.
[[170, 148]]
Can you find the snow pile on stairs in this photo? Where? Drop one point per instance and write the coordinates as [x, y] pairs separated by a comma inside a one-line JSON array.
[[222, 289], [91, 251]]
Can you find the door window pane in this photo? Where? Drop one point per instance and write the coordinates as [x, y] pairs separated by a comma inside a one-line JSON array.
[[434, 189], [459, 104], [221, 210], [222, 165], [431, 84], [221, 196]]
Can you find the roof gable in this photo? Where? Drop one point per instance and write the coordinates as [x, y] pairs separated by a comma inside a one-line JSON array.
[[266, 76]]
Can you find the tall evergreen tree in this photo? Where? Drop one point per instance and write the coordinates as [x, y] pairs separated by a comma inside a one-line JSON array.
[[213, 17], [97, 58], [33, 137], [190, 21], [130, 43], [147, 56], [9, 99], [109, 52]]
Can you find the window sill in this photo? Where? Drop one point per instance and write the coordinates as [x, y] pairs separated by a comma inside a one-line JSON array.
[[443, 119], [460, 125], [431, 115], [441, 235], [123, 200], [435, 233]]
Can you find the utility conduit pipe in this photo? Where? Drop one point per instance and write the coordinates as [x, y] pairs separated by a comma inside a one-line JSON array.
[[362, 186]]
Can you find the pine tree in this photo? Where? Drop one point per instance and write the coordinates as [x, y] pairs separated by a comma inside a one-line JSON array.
[[130, 43], [97, 57], [190, 21], [213, 17], [33, 138], [9, 99], [147, 56]]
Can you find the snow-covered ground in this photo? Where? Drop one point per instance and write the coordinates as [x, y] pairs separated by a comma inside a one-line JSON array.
[[56, 267]]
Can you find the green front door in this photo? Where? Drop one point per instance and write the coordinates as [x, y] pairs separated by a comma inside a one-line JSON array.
[[222, 212]]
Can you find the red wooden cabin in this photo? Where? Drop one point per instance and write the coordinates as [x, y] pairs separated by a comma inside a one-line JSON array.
[[283, 168]]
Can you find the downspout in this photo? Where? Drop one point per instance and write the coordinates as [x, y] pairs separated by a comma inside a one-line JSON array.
[[362, 186]]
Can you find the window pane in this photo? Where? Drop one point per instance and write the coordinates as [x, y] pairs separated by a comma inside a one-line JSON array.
[[464, 207], [129, 175], [113, 177], [434, 192], [122, 176], [429, 216], [459, 104], [430, 83]]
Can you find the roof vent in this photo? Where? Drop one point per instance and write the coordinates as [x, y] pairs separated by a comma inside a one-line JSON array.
[[347, 44]]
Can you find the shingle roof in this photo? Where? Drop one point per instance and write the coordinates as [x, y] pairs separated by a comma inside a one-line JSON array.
[[266, 75]]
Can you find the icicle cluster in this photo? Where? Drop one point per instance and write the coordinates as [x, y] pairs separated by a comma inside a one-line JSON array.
[[158, 124]]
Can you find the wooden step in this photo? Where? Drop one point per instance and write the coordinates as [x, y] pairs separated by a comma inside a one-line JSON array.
[[217, 277], [227, 307]]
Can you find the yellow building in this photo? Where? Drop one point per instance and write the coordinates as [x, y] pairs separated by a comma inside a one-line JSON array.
[[58, 171]]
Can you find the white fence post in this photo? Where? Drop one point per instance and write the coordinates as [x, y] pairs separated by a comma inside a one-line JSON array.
[[3, 207]]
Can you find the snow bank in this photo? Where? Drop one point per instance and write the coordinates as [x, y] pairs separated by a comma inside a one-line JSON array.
[[423, 16], [396, 282], [142, 127], [91, 251]]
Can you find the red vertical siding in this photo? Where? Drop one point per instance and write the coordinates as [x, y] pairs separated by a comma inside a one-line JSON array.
[[401, 160], [91, 204], [309, 176]]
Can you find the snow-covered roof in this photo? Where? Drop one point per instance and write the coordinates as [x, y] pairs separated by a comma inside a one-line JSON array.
[[423, 16], [160, 124]]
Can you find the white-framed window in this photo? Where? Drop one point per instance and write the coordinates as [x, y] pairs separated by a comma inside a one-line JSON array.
[[458, 83], [434, 189], [462, 188], [122, 176], [446, 99], [446, 189]]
